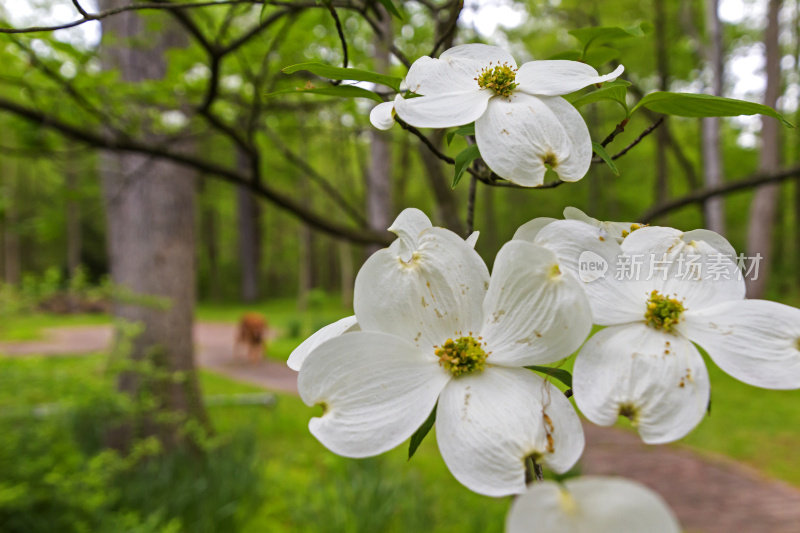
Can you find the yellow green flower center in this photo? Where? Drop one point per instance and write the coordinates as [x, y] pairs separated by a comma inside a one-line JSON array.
[[629, 411], [462, 356], [499, 78], [634, 227], [662, 312]]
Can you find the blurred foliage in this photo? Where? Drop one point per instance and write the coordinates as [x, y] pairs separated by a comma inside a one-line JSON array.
[[59, 476], [331, 134]]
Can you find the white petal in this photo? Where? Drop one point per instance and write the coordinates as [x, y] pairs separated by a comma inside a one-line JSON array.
[[712, 238], [480, 53], [444, 110], [533, 313], [576, 164], [376, 390], [591, 256], [382, 115], [432, 297], [529, 230], [408, 226], [697, 272], [595, 504], [557, 77], [299, 354], [658, 375], [488, 423], [615, 230], [430, 76], [573, 213], [472, 240], [456, 69], [518, 134], [755, 341]]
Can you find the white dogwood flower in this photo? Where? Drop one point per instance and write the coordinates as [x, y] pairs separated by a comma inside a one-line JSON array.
[[410, 224], [662, 292], [615, 230], [591, 504], [436, 331], [522, 125]]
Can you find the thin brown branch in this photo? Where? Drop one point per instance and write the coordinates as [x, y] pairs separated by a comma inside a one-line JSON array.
[[280, 199], [452, 23], [637, 140], [619, 128], [700, 196], [89, 17], [340, 32]]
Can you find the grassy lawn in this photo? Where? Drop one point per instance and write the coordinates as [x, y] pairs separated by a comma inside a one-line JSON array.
[[305, 487], [30, 326]]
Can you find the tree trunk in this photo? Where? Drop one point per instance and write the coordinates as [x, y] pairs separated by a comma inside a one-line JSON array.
[[379, 176], [763, 208], [150, 209], [209, 236], [249, 222], [73, 215], [713, 170], [12, 270], [347, 278], [446, 201], [662, 136]]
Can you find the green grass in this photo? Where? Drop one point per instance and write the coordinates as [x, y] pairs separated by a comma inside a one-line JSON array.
[[306, 487], [30, 326]]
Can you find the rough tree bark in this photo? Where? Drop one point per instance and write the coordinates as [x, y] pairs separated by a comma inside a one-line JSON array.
[[713, 170], [249, 235], [150, 209], [379, 176], [763, 208]]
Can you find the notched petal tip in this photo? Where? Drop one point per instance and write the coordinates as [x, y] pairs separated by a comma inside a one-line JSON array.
[[382, 116]]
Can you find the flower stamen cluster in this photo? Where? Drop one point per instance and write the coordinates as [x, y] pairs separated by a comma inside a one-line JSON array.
[[633, 228], [499, 78], [462, 356], [663, 312]]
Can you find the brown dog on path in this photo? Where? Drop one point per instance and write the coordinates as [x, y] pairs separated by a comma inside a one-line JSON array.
[[251, 335]]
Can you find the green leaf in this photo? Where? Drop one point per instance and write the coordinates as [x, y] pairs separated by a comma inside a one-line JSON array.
[[342, 91], [421, 433], [463, 160], [601, 152], [468, 129], [598, 56], [390, 7], [339, 73], [559, 373], [704, 105], [607, 34], [614, 90]]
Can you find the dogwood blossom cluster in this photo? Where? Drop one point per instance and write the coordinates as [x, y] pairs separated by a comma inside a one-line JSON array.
[[435, 335], [435, 330], [522, 124]]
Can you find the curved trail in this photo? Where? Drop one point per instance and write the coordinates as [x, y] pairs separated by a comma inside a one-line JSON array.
[[708, 493]]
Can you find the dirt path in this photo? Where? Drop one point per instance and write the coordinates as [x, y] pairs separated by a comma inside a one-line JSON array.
[[709, 494]]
